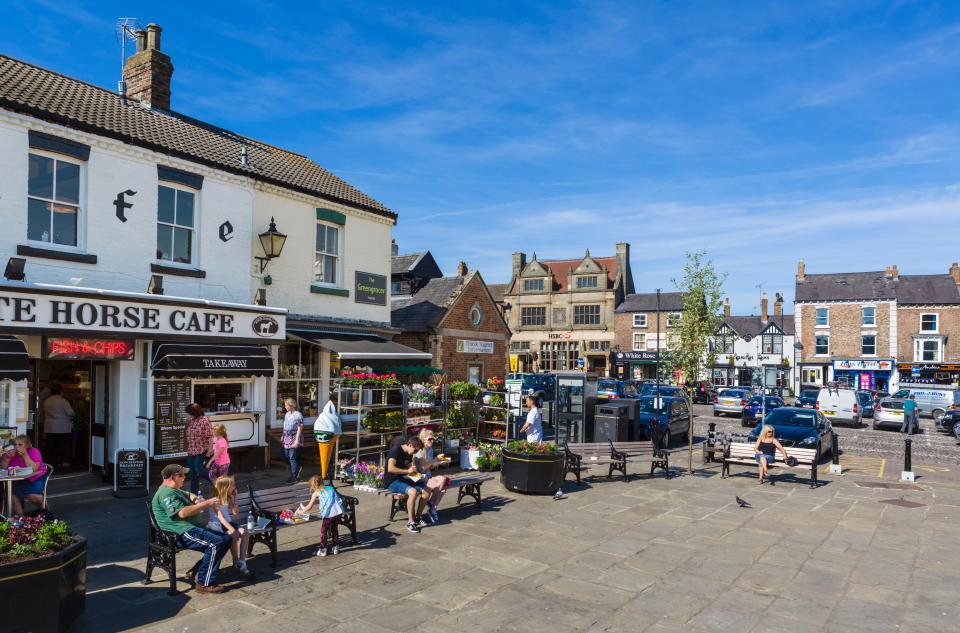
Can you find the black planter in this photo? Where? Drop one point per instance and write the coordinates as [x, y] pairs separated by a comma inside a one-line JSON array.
[[531, 473], [49, 592]]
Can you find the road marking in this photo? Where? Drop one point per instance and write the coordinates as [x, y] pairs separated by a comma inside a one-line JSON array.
[[934, 469], [883, 464], [861, 464]]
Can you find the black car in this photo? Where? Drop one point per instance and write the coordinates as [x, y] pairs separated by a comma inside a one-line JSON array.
[[948, 422], [808, 398], [704, 393], [798, 427], [672, 419]]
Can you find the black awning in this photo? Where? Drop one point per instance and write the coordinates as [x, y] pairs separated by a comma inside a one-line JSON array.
[[14, 362], [361, 347], [187, 360]]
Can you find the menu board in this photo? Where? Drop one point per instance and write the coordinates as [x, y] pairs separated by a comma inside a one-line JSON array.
[[130, 472], [170, 399]]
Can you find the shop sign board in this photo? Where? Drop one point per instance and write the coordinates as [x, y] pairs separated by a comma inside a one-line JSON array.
[[514, 362], [50, 313], [474, 347], [639, 356], [856, 364], [130, 472], [170, 400], [88, 349], [370, 288], [559, 336]]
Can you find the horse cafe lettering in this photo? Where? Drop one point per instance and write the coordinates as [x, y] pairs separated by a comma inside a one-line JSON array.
[[38, 311]]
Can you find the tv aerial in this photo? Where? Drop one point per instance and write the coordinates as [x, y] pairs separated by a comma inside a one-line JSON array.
[[126, 30]]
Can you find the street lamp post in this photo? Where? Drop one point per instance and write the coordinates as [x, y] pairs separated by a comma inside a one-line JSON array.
[[657, 384]]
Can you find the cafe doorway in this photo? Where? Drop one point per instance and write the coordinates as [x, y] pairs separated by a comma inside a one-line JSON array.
[[78, 442]]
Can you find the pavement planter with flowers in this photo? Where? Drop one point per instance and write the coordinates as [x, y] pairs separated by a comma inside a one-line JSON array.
[[43, 570], [533, 467]]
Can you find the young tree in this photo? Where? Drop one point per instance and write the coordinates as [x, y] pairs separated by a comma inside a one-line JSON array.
[[702, 290]]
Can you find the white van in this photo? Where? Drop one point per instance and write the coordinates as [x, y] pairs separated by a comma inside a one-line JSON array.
[[840, 406], [932, 400]]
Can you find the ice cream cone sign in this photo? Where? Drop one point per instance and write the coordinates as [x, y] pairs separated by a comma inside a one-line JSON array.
[[326, 429]]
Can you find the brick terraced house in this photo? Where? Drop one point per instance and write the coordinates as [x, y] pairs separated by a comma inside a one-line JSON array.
[[878, 330], [455, 319], [561, 312], [636, 325]]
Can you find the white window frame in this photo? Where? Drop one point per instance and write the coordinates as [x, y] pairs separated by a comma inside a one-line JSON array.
[[863, 350], [815, 352], [338, 282], [936, 322], [539, 281], [639, 341], [640, 320], [816, 317], [863, 316], [673, 319], [81, 246], [918, 344], [195, 230]]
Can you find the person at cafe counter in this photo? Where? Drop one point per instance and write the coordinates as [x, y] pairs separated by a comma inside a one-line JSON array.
[[199, 444], [58, 426], [185, 515]]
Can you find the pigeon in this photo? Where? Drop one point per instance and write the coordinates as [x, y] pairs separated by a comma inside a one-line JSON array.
[[742, 503], [558, 495]]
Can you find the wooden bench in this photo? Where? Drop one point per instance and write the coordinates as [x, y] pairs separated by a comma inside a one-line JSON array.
[[467, 483], [580, 457], [271, 502], [744, 453]]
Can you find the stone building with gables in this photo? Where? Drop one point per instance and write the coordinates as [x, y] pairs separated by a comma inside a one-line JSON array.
[[561, 312]]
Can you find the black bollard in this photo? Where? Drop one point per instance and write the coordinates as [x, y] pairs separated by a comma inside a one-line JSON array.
[[712, 441], [836, 448], [906, 455]]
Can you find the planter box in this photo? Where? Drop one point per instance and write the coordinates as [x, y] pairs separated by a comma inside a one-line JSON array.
[[542, 474], [468, 458], [49, 592]]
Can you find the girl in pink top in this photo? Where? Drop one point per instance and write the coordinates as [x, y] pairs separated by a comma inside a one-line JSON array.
[[219, 464], [24, 455]]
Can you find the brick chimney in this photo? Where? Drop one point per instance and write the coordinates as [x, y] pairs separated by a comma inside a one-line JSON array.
[[801, 270], [394, 248], [763, 306], [894, 273], [888, 273], [778, 306], [148, 71], [955, 272], [462, 269], [726, 307]]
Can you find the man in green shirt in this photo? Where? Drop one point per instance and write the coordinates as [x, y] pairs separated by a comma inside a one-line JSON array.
[[183, 514]]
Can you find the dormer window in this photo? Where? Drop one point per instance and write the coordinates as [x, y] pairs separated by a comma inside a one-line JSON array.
[[587, 282], [533, 285]]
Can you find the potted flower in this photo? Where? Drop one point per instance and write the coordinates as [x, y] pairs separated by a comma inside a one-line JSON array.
[[495, 384], [469, 454], [43, 567], [422, 395], [535, 467]]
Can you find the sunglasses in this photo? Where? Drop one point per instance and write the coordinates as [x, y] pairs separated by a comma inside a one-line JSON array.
[[429, 439]]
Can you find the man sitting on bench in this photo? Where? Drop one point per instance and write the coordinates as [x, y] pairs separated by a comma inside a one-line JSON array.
[[183, 514], [397, 478]]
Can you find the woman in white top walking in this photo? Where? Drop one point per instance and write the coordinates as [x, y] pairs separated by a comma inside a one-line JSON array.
[[533, 427]]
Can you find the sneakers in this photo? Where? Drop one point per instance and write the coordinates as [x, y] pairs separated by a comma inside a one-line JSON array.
[[413, 527], [434, 516], [420, 522], [335, 550], [322, 552], [241, 566], [290, 482]]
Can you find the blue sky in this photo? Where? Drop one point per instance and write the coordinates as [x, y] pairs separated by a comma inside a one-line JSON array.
[[761, 132]]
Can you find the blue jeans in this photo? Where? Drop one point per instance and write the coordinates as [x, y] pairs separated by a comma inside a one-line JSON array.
[[290, 454], [400, 487], [214, 547], [197, 470]]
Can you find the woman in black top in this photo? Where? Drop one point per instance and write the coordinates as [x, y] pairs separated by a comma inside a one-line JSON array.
[[766, 449]]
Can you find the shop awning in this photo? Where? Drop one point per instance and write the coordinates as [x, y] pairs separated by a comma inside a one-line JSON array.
[[186, 360], [360, 346], [413, 370], [14, 362]]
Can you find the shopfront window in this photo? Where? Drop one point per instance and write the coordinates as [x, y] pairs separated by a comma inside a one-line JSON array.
[[222, 396], [5, 402], [298, 373], [811, 376], [559, 355]]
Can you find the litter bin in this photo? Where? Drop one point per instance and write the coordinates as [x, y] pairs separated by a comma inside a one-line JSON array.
[[612, 422]]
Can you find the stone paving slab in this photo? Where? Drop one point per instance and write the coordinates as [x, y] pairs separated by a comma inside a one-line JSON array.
[[644, 554]]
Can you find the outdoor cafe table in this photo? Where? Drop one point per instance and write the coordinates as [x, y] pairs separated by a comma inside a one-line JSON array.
[[7, 481]]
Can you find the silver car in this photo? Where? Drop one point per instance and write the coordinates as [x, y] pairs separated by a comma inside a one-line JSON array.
[[731, 401], [888, 413]]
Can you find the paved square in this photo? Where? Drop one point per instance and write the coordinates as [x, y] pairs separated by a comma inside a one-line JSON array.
[[648, 554]]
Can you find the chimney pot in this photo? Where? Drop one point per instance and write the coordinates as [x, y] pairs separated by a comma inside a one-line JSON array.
[[895, 272], [955, 272], [726, 307], [888, 273], [801, 270], [153, 36], [141, 36], [462, 269], [763, 306]]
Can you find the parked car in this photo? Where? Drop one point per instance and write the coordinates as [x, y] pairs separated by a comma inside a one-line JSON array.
[[948, 422], [933, 400], [784, 393], [672, 391], [808, 398], [673, 418], [755, 407], [840, 406], [888, 413], [866, 403], [731, 401], [544, 386], [704, 392], [609, 388], [800, 427]]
